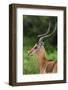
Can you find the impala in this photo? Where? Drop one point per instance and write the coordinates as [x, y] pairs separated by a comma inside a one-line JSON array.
[[45, 65]]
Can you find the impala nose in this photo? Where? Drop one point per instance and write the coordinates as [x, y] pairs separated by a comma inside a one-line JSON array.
[[30, 52]]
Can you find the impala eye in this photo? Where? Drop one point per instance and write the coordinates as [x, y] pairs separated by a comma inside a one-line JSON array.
[[36, 47]]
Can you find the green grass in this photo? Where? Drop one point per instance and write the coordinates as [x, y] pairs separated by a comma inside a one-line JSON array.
[[30, 65]]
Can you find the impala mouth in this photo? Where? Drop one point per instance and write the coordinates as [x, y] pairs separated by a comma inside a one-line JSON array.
[[30, 53]]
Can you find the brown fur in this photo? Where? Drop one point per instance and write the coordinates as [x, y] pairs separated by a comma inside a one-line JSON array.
[[45, 65]]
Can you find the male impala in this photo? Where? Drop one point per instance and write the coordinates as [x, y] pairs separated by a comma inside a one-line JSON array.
[[45, 65]]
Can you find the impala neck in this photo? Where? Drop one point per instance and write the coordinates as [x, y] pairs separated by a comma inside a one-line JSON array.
[[42, 59]]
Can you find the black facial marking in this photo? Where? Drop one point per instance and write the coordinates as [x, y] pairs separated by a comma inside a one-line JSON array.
[[35, 47]]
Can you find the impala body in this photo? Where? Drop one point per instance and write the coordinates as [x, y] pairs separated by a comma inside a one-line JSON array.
[[45, 65]]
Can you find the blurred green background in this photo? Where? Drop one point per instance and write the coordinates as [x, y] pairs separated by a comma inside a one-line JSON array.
[[33, 26]]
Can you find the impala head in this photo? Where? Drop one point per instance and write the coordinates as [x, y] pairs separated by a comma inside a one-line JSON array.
[[39, 46], [36, 49]]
